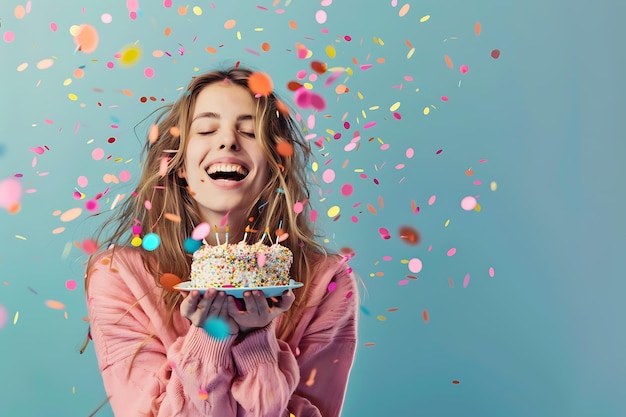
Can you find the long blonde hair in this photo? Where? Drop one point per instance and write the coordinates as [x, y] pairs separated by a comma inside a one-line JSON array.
[[168, 193]]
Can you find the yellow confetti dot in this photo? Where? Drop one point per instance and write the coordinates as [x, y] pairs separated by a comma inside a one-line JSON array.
[[136, 241], [20, 237], [404, 10], [477, 208], [426, 111], [494, 186], [333, 211], [67, 82], [395, 106], [331, 52], [381, 318], [238, 35], [130, 55], [197, 10], [72, 96], [424, 18], [314, 166], [410, 53], [74, 30], [16, 317], [447, 223]]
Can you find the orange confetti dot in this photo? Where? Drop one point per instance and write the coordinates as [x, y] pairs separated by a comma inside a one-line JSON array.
[[260, 83], [319, 67], [477, 28], [448, 61], [371, 208], [293, 85], [168, 281], [211, 50], [86, 39], [409, 235], [56, 305], [127, 93], [425, 316], [14, 208], [293, 24], [153, 133], [175, 131], [456, 381], [381, 202], [469, 172], [265, 46], [282, 108], [182, 10], [311, 381], [369, 344], [341, 88], [79, 73], [167, 31], [284, 148], [229, 24]]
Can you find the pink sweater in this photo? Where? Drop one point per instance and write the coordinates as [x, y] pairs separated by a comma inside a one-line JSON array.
[[183, 371]]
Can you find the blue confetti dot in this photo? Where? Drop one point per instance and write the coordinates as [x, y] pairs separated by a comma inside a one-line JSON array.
[[191, 245], [151, 241], [216, 327]]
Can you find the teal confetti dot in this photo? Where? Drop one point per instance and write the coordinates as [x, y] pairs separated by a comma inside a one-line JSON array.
[[216, 327], [151, 241], [191, 245]]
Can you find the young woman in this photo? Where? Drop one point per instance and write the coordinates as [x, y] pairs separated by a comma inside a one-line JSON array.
[[213, 154]]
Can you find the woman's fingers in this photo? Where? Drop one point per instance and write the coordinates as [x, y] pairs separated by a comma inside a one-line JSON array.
[[286, 300]]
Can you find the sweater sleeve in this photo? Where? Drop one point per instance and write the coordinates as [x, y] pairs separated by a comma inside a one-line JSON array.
[[143, 378], [273, 381]]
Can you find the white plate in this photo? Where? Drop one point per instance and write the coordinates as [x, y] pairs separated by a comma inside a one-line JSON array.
[[238, 292]]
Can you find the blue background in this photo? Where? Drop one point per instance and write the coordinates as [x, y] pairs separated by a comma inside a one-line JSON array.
[[543, 337]]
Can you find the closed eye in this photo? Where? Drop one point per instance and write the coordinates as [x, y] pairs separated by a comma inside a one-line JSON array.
[[248, 134], [207, 132]]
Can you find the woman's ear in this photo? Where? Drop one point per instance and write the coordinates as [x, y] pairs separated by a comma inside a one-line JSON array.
[[181, 173]]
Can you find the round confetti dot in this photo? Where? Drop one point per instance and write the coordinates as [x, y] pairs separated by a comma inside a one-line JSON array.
[[321, 16], [19, 12], [284, 148], [130, 55], [70, 284], [167, 3], [151, 241], [260, 83], [197, 10], [229, 24], [124, 176], [333, 211], [148, 72], [328, 176], [201, 231], [8, 36], [298, 207], [89, 246], [203, 395], [136, 241], [97, 154], [92, 205], [495, 54], [384, 233], [10, 192], [468, 203], [463, 68], [191, 245], [53, 27], [217, 328], [86, 39], [492, 272], [168, 281], [415, 265], [346, 190], [136, 230]]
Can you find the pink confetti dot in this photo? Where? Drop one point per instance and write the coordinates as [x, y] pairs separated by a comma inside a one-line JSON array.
[[201, 231], [301, 74], [136, 230], [415, 265], [313, 215], [132, 5], [167, 3], [328, 176], [70, 284], [409, 153], [92, 205], [354, 219], [403, 282], [106, 18], [468, 203], [387, 258], [332, 286], [110, 65], [124, 176], [320, 16], [97, 154], [384, 233], [148, 72], [444, 98], [8, 37], [326, 3], [463, 68], [451, 252], [53, 27], [82, 181], [298, 207], [492, 272], [384, 146]]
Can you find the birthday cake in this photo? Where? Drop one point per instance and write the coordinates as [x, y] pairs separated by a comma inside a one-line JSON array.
[[240, 265]]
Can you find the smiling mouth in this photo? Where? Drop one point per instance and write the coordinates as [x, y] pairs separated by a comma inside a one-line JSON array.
[[227, 172]]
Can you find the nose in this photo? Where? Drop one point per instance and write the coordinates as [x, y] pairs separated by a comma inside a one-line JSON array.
[[229, 141]]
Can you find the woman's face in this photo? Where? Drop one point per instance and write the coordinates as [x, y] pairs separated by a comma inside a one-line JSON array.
[[224, 166]]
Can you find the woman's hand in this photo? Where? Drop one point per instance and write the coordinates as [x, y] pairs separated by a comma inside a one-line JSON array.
[[199, 308], [258, 312]]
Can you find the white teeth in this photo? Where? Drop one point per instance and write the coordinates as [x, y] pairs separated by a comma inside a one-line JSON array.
[[227, 168]]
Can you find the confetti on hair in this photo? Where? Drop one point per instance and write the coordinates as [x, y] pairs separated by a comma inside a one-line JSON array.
[[260, 84], [168, 281], [284, 148]]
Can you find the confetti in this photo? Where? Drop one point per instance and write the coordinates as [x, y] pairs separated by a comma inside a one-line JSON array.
[[217, 328], [495, 54], [86, 38], [260, 83], [11, 195], [409, 235], [151, 241], [201, 231], [55, 305], [415, 265], [4, 314], [468, 203], [168, 281]]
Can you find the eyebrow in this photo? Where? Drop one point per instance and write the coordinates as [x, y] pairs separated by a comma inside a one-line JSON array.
[[214, 115]]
